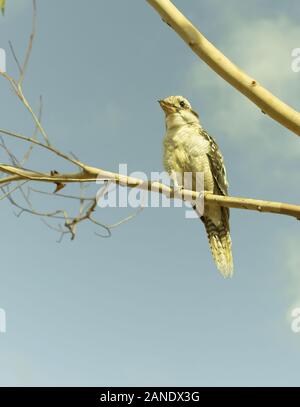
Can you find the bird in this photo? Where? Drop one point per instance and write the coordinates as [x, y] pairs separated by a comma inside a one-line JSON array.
[[188, 148]]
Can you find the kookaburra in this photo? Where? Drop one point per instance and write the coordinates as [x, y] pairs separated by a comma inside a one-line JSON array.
[[188, 148]]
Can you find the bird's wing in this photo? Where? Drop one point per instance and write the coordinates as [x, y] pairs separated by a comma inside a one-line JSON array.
[[219, 234], [216, 164]]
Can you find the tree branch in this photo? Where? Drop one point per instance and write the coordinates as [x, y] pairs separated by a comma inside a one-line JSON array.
[[92, 174], [248, 86]]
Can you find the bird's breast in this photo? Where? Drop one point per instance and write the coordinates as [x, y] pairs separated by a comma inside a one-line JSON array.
[[185, 151], [182, 146]]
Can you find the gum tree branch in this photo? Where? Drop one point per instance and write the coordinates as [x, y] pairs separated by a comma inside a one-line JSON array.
[[92, 174], [265, 100]]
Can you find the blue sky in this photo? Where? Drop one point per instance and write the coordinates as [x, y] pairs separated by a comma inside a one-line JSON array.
[[147, 306]]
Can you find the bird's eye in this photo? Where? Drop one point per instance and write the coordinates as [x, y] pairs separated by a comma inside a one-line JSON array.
[[182, 104]]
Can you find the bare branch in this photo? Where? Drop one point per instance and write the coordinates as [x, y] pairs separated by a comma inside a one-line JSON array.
[[30, 43], [34, 116], [30, 148], [77, 197], [47, 147], [15, 56], [88, 174], [12, 157], [91, 174], [6, 194], [127, 219]]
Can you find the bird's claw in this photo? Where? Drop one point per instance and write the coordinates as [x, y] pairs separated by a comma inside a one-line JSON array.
[[177, 189]]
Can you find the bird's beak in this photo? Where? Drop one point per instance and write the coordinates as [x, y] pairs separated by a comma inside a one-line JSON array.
[[168, 108]]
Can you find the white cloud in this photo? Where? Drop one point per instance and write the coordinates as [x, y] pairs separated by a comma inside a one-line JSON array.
[[262, 48]]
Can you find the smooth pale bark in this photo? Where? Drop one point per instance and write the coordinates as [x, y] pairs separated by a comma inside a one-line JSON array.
[[92, 174]]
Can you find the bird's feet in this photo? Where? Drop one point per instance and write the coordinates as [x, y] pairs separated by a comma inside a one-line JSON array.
[[177, 189], [178, 192]]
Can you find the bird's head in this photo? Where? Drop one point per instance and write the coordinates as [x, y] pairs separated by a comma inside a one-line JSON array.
[[178, 111]]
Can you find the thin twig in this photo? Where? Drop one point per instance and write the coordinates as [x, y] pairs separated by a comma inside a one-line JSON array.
[[38, 143], [15, 56], [30, 43], [6, 194], [30, 148], [77, 197]]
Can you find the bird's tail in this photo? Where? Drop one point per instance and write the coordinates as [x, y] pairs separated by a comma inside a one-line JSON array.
[[220, 245]]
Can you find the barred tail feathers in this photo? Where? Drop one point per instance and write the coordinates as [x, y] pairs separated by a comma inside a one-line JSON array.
[[220, 245]]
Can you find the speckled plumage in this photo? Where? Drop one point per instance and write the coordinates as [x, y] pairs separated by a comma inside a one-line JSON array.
[[189, 148]]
